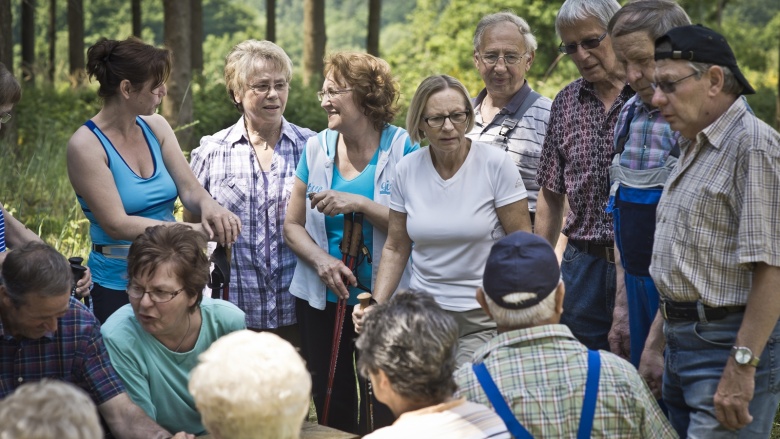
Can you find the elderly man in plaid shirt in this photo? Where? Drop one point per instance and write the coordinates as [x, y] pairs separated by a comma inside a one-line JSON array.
[[547, 377]]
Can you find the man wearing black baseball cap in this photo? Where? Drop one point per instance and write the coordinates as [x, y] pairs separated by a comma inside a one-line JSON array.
[[716, 258], [539, 366]]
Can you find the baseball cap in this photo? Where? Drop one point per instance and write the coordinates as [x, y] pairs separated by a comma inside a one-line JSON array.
[[520, 263]]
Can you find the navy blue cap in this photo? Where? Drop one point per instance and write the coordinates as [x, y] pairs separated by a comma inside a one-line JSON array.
[[521, 263]]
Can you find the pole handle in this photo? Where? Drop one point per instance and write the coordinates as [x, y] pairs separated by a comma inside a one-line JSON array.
[[365, 300]]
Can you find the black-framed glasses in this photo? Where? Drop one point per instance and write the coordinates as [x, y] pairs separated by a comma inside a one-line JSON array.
[[491, 59], [157, 296], [669, 86], [456, 118], [592, 43], [262, 89], [5, 117], [331, 93]]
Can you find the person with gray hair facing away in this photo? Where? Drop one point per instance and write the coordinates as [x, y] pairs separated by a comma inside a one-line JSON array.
[[407, 348], [555, 387], [49, 409], [251, 385], [508, 113], [716, 258]]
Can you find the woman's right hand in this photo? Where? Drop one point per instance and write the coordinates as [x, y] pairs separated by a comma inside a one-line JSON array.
[[333, 273], [359, 316]]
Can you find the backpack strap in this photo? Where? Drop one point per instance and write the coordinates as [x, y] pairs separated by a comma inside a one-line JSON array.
[[620, 145], [591, 394], [509, 124], [499, 404]]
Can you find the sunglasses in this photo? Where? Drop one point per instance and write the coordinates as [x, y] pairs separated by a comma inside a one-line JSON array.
[[571, 48], [5, 117], [670, 86]]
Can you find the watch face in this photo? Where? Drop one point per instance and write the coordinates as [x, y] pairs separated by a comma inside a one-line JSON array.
[[742, 357]]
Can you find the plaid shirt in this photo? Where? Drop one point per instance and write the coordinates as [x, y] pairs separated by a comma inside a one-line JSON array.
[[541, 372], [262, 265], [576, 156], [650, 138], [718, 214], [75, 353]]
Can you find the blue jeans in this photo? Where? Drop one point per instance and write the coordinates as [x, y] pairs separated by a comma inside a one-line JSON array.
[[696, 354], [590, 297]]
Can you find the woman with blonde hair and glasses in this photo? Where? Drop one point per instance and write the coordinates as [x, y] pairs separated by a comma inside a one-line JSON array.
[[350, 167], [450, 203]]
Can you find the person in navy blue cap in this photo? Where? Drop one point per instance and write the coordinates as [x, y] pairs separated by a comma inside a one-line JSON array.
[[715, 260], [537, 364]]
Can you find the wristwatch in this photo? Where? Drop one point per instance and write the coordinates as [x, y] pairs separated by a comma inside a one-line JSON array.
[[744, 356]]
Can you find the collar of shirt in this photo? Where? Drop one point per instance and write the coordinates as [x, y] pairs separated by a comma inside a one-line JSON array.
[[513, 104], [717, 131], [588, 91], [527, 336], [239, 135]]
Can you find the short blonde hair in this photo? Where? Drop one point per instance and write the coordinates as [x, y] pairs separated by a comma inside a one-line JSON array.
[[240, 65], [430, 86], [49, 409], [251, 385]]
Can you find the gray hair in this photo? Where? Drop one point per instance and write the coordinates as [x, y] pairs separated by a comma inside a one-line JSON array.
[[521, 318], [430, 86], [574, 11], [240, 64], [413, 341], [49, 409], [35, 268], [501, 17], [654, 17]]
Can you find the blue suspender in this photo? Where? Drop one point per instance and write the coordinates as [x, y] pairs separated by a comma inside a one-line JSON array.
[[515, 427]]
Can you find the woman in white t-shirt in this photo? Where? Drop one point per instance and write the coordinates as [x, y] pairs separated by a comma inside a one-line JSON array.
[[450, 203]]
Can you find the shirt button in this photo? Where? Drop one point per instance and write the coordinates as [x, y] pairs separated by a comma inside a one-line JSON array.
[[20, 379]]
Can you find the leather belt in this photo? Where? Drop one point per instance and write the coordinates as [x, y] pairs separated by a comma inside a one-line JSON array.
[[689, 311], [604, 251], [119, 251]]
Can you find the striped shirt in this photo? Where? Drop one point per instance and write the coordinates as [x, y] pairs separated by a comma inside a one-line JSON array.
[[262, 265], [457, 419], [524, 142], [541, 372], [719, 211], [576, 156], [75, 353], [650, 138]]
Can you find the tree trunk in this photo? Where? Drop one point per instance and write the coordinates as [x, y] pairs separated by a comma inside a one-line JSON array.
[[136, 7], [374, 23], [52, 38], [313, 41], [28, 41], [197, 35], [76, 41], [6, 35], [177, 106], [270, 20]]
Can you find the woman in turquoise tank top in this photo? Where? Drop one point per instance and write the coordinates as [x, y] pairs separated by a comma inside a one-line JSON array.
[[127, 168]]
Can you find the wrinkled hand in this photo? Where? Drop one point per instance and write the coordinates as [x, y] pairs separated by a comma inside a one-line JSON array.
[[619, 337], [332, 203], [333, 273], [735, 391], [359, 316], [220, 224], [84, 285], [651, 368]]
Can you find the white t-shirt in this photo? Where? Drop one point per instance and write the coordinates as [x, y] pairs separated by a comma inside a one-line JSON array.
[[453, 223], [457, 419]]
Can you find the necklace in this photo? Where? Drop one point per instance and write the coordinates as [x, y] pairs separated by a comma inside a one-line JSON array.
[[185, 334], [257, 133]]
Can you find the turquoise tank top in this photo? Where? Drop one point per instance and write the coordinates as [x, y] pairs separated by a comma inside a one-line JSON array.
[[151, 198]]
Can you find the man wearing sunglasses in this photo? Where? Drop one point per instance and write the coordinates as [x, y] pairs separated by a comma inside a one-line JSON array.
[[716, 258], [575, 166], [507, 112]]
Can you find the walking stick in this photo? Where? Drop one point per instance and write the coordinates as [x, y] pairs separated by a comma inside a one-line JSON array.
[[220, 276], [365, 301]]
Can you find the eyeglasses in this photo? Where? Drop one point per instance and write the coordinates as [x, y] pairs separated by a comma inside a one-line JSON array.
[[157, 296], [331, 93], [455, 118], [592, 43], [5, 117], [669, 86], [491, 59], [262, 89]]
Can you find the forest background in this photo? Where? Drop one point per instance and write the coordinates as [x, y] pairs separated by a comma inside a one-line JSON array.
[[417, 37]]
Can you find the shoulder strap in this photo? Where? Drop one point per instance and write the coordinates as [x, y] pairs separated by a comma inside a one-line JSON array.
[[502, 409], [591, 394], [620, 145], [509, 123]]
